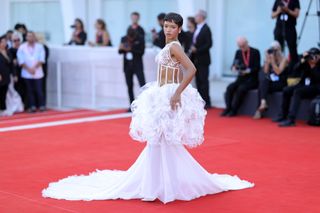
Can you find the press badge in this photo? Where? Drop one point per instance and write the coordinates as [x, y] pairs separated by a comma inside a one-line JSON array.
[[274, 77], [129, 56], [307, 81]]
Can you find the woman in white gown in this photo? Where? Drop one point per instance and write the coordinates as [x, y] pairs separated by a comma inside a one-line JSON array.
[[168, 114]]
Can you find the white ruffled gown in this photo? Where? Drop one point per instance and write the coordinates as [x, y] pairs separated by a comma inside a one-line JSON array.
[[164, 170]]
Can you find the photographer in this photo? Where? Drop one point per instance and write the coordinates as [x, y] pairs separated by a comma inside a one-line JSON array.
[[79, 36], [132, 47], [307, 88], [273, 78], [286, 12], [247, 65]]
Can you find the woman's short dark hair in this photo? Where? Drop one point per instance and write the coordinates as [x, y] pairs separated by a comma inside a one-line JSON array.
[[175, 18]]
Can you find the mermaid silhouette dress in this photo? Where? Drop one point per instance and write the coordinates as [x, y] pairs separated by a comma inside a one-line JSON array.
[[164, 170]]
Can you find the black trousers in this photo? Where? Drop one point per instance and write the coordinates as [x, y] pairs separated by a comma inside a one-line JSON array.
[[202, 81], [20, 87], [130, 70], [292, 97], [34, 92], [237, 90], [267, 86], [284, 33], [3, 95]]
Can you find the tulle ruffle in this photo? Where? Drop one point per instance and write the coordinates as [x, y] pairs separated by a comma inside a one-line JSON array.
[[154, 121]]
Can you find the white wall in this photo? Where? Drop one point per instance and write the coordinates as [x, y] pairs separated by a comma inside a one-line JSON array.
[[227, 19]]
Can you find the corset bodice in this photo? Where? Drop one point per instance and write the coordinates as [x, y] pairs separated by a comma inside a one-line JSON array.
[[168, 69]]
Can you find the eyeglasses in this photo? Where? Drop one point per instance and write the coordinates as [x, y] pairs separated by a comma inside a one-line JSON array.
[[16, 40]]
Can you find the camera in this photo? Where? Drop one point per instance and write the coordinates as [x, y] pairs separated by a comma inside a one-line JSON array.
[[270, 51], [281, 4], [73, 26], [239, 65], [311, 54]]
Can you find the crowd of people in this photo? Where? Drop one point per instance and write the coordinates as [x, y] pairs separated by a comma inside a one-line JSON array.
[[23, 69], [297, 77]]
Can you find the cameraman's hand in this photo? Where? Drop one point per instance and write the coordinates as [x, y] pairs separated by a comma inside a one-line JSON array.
[[272, 58], [279, 10], [285, 9], [234, 69], [304, 55]]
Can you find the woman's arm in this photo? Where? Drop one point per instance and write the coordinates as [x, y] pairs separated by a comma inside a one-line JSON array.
[[276, 13], [278, 69], [190, 70], [106, 39]]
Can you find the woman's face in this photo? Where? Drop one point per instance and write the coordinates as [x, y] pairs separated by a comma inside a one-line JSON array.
[[98, 26], [77, 24], [171, 30], [190, 26], [3, 43]]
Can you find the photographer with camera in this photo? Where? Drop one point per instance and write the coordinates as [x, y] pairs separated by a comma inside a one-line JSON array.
[[273, 78], [246, 64], [307, 88], [132, 47], [286, 12], [79, 36]]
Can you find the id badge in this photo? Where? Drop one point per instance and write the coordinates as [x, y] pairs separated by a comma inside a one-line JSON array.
[[129, 56], [274, 77], [307, 81]]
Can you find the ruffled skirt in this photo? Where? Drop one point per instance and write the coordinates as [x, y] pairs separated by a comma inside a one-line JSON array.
[[154, 121]]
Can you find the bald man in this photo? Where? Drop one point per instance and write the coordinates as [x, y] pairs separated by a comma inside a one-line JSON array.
[[246, 65]]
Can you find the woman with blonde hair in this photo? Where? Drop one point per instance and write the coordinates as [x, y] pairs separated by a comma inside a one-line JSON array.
[[274, 76]]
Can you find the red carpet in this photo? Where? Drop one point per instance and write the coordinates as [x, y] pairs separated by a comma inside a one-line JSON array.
[[283, 163]]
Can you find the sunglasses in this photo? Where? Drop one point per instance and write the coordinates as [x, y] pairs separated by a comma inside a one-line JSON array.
[[16, 40]]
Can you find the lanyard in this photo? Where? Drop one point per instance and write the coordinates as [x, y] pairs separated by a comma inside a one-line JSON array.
[[246, 58]]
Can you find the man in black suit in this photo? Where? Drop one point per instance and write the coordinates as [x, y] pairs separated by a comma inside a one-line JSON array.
[[202, 42], [158, 38], [246, 64], [132, 47]]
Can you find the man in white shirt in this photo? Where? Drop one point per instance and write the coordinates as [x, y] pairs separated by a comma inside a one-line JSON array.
[[31, 56]]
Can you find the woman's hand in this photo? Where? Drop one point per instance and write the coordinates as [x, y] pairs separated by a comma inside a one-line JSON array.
[[175, 101]]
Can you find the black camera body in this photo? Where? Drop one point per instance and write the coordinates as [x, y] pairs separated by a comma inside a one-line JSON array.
[[270, 51], [309, 56], [239, 65]]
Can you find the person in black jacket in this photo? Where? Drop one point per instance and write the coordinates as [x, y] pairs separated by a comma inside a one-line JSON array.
[[19, 83], [132, 47], [135, 17], [158, 38], [273, 78], [5, 71], [246, 64], [191, 25], [202, 42], [307, 88], [79, 36]]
